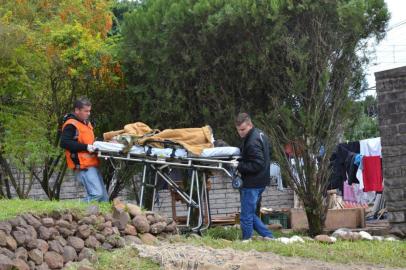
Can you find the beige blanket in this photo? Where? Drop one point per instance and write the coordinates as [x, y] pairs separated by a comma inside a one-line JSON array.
[[137, 130], [192, 139]]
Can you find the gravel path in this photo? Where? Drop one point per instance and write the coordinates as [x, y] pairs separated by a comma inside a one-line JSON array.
[[178, 256]]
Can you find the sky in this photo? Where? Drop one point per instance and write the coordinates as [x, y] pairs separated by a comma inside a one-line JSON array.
[[391, 51]]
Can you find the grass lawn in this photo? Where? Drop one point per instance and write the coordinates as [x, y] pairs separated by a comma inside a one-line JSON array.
[[389, 254], [123, 259], [11, 208], [384, 253], [119, 259]]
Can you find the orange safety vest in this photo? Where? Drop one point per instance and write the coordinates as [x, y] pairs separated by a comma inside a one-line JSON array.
[[85, 136]]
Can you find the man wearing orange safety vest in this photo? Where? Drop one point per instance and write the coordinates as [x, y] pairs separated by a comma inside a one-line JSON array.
[[77, 139]]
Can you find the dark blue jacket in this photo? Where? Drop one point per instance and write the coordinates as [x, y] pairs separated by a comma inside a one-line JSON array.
[[255, 159]]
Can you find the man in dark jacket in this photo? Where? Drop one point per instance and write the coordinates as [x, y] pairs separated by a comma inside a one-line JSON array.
[[254, 167], [77, 139]]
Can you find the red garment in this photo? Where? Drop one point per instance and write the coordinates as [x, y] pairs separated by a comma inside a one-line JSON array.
[[372, 173]]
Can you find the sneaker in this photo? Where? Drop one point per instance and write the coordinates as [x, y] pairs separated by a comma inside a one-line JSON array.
[[267, 238], [257, 238], [247, 240]]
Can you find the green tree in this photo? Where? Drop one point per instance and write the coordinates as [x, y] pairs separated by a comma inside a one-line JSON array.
[[322, 76], [201, 62], [119, 8], [21, 80], [294, 65], [364, 123], [67, 42]]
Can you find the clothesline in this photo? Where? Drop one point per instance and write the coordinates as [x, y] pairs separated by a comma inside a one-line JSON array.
[[357, 168]]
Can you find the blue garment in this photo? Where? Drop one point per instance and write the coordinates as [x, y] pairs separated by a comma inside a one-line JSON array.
[[92, 181], [249, 221], [357, 160]]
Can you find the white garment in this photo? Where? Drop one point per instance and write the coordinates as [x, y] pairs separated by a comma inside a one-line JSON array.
[[359, 177], [276, 176], [361, 196], [371, 147]]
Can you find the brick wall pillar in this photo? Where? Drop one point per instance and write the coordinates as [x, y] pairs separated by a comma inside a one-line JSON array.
[[391, 91]]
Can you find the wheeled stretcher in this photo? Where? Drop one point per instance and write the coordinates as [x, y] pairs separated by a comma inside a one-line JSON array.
[[161, 160]]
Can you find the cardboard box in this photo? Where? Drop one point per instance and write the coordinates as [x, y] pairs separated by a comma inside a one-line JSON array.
[[350, 218]]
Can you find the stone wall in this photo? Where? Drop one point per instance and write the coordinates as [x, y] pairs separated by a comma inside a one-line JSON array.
[[57, 239], [391, 90]]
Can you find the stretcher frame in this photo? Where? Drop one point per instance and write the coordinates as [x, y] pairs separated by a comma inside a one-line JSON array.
[[195, 164]]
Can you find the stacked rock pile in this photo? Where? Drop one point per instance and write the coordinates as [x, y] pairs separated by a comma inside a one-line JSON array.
[[50, 241]]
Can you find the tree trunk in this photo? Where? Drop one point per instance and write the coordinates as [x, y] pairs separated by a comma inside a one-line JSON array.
[[8, 191], [30, 183], [136, 191], [316, 215], [6, 168], [2, 195], [59, 180]]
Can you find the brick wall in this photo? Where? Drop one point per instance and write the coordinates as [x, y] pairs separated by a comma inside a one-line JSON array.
[[391, 91], [224, 200], [71, 189]]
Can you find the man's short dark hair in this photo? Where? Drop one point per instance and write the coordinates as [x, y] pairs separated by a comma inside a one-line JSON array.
[[241, 118], [81, 102]]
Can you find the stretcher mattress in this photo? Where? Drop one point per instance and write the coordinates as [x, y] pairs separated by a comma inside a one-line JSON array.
[[114, 147]]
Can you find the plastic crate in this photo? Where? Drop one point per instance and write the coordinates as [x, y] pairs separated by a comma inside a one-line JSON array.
[[275, 218]]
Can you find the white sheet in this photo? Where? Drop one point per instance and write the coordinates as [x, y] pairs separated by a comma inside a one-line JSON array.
[[117, 147], [224, 151], [167, 152]]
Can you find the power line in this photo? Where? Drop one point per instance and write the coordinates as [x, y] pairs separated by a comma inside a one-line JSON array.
[[391, 45], [388, 62], [388, 50], [396, 25]]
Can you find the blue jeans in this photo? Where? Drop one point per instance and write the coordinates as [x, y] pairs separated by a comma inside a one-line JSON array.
[[249, 221], [92, 181]]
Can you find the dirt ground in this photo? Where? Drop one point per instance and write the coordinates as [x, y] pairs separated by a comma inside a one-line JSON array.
[[178, 256]]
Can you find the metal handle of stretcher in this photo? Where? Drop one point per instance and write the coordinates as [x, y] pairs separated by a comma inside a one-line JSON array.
[[189, 163], [212, 164]]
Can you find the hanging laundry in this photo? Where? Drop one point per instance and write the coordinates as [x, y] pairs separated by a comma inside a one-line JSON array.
[[359, 174], [372, 173], [357, 159], [351, 168], [352, 146], [337, 162], [361, 196], [335, 179], [349, 193], [371, 147]]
